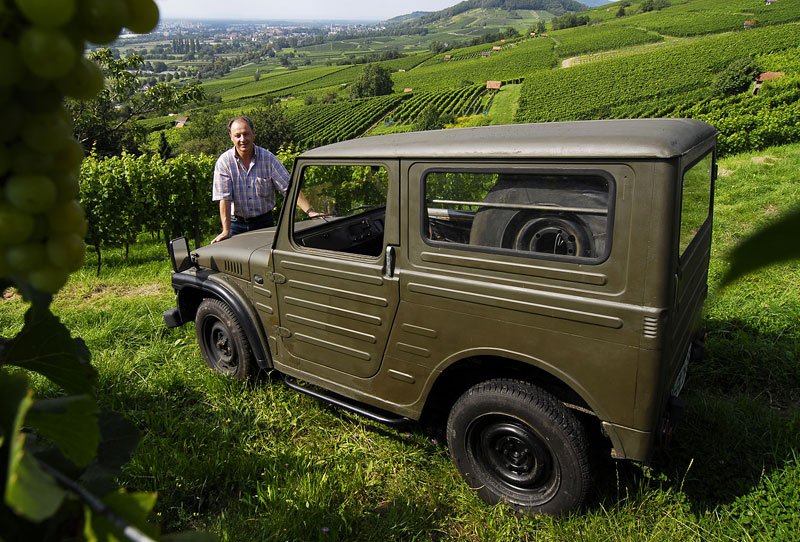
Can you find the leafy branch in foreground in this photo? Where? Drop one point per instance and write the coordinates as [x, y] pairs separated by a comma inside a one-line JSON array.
[[59, 456], [774, 243]]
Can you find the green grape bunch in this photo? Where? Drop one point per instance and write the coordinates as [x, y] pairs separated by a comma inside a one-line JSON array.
[[42, 43]]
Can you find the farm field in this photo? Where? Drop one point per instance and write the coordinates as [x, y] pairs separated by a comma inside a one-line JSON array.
[[678, 74], [694, 17], [256, 461], [260, 462], [632, 66]]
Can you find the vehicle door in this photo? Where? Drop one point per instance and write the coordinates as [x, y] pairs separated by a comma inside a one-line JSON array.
[[694, 251], [334, 277]]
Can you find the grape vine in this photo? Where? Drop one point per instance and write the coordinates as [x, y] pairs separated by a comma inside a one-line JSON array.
[[50, 469]]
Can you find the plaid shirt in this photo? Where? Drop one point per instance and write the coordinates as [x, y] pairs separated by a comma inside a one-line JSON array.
[[251, 188]]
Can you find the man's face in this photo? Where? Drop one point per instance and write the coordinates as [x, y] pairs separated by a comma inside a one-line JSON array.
[[242, 137]]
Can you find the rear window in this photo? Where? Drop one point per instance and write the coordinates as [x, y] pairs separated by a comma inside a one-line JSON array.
[[695, 199], [551, 216]]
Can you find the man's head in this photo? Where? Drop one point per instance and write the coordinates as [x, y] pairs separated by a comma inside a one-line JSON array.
[[241, 133]]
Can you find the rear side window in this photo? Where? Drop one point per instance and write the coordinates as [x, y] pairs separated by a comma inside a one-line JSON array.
[[695, 199], [533, 214]]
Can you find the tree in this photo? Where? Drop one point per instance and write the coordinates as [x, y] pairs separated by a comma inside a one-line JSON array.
[[205, 133], [374, 81], [736, 77], [272, 127], [653, 5], [164, 148], [106, 123], [570, 20], [430, 119]]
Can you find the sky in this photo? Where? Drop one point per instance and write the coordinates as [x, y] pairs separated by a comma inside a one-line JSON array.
[[297, 9]]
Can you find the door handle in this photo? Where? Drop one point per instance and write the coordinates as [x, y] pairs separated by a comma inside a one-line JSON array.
[[390, 261]]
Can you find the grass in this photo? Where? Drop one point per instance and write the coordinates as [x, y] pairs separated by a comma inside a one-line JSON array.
[[260, 462], [504, 105]]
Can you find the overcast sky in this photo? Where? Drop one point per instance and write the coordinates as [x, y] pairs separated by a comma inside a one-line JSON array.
[[296, 9]]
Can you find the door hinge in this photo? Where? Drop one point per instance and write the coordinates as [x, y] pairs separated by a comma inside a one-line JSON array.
[[277, 278]]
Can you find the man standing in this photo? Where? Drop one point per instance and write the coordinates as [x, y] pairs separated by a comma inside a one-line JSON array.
[[245, 179]]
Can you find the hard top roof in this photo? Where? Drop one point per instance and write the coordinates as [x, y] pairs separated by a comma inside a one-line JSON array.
[[629, 138]]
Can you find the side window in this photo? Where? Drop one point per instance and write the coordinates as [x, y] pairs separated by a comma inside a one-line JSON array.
[[533, 214], [695, 199], [352, 203]]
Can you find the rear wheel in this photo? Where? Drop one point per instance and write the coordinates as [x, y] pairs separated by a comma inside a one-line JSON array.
[[222, 340], [515, 443]]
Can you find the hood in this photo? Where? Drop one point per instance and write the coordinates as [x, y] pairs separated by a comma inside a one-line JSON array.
[[232, 256]]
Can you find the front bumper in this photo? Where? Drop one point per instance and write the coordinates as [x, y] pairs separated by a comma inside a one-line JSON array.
[[173, 318]]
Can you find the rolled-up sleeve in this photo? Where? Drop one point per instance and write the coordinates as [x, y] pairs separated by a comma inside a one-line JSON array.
[[222, 189]]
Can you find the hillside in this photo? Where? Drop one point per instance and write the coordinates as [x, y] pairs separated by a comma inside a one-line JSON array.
[[632, 64], [556, 7], [401, 19]]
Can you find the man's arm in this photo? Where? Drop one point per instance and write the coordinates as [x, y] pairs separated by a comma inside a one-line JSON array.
[[280, 178], [222, 191], [305, 205], [225, 218]]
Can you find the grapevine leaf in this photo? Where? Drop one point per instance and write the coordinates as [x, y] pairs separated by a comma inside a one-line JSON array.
[[118, 441], [126, 510], [30, 492], [60, 358], [71, 423], [771, 244]]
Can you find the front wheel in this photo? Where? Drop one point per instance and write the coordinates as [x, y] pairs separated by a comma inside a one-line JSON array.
[[515, 443], [222, 340]]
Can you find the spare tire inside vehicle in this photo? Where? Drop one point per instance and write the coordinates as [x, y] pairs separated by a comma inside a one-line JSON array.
[[545, 231]]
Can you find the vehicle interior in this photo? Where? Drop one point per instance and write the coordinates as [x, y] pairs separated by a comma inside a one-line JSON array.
[[359, 233]]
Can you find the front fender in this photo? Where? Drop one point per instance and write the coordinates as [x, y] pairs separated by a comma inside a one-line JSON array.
[[192, 286]]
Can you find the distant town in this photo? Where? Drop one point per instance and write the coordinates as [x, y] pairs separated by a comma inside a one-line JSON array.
[[297, 32]]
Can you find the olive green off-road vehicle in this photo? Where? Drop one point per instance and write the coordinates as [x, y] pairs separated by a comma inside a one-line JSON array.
[[528, 288]]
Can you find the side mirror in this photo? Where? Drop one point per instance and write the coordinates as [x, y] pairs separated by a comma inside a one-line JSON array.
[[179, 254]]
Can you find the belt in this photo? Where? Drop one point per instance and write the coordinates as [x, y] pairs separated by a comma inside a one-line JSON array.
[[258, 218]]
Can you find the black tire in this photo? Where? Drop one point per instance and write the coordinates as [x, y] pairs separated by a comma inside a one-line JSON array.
[[222, 341], [515, 443], [544, 232]]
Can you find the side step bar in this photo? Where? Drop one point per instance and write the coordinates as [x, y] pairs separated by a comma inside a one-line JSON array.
[[341, 402]]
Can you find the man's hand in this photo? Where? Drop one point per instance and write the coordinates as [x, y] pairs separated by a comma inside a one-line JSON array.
[[221, 237]]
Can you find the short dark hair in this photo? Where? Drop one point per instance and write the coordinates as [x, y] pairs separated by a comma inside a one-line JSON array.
[[241, 118]]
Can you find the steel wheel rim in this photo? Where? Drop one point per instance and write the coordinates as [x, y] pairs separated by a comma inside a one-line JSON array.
[[547, 236], [220, 346], [514, 455]]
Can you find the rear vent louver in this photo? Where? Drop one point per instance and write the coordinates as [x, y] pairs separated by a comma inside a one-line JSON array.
[[650, 327], [233, 267]]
